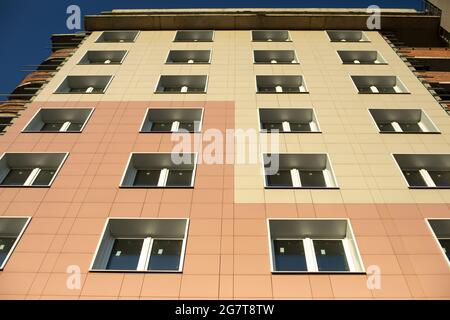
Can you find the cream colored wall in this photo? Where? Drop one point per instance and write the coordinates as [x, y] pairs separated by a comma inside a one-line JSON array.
[[361, 157]]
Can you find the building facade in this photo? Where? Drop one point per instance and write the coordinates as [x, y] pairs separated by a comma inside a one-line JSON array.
[[93, 204]]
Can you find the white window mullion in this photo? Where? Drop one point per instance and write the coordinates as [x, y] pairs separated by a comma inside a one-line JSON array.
[[348, 255], [295, 176], [327, 177], [396, 126], [145, 254], [32, 177], [175, 126], [65, 126], [374, 89], [427, 178], [422, 127], [313, 126], [163, 177], [286, 126], [311, 262]]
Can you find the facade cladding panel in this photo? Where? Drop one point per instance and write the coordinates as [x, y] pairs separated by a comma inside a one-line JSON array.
[[227, 252]]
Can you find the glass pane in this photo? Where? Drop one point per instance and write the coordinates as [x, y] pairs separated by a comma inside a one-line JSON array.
[[50, 127], [272, 126], [16, 177], [386, 89], [147, 178], [161, 126], [281, 179], [125, 254], [291, 89], [445, 243], [414, 178], [289, 255], [330, 255], [172, 89], [74, 127], [165, 255], [188, 126], [179, 178], [312, 179], [300, 127], [386, 127], [44, 177], [440, 178], [266, 89], [410, 127], [6, 244]]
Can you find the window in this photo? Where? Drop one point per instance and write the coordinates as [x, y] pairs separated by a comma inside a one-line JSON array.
[[298, 170], [173, 120], [189, 56], [347, 36], [194, 36], [103, 57], [313, 245], [118, 36], [5, 122], [274, 57], [84, 84], [271, 35], [280, 84], [11, 230], [361, 57], [288, 120], [59, 120], [31, 169], [425, 170], [160, 170], [182, 84], [138, 244], [441, 230], [379, 84], [402, 121]]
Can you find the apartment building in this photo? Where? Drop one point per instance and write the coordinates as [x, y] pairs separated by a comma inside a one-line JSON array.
[[95, 204]]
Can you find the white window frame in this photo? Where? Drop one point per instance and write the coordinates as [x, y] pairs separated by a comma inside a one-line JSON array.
[[138, 32], [144, 258], [312, 123], [308, 246], [19, 236], [212, 38], [436, 239], [141, 129]]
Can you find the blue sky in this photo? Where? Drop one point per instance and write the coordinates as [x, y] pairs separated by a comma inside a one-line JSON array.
[[26, 25]]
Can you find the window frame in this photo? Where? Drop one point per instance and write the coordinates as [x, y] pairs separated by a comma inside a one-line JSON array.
[[279, 41], [186, 63], [98, 63], [58, 108], [364, 35], [200, 127], [314, 116], [138, 32], [297, 61], [384, 63], [283, 92], [202, 41], [311, 261], [147, 254], [194, 172], [66, 155], [406, 91], [56, 90], [435, 237], [205, 90], [404, 132], [329, 163], [19, 236]]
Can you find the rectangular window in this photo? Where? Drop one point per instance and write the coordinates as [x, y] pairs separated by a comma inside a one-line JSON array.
[[347, 36], [182, 84], [296, 120], [59, 120], [441, 230], [11, 230], [425, 170], [298, 170], [159, 170], [173, 120], [84, 84], [118, 36], [194, 36], [275, 57], [379, 84], [280, 84], [270, 36], [403, 121], [139, 244], [5, 122], [104, 57], [361, 57], [189, 57], [313, 245], [30, 169]]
